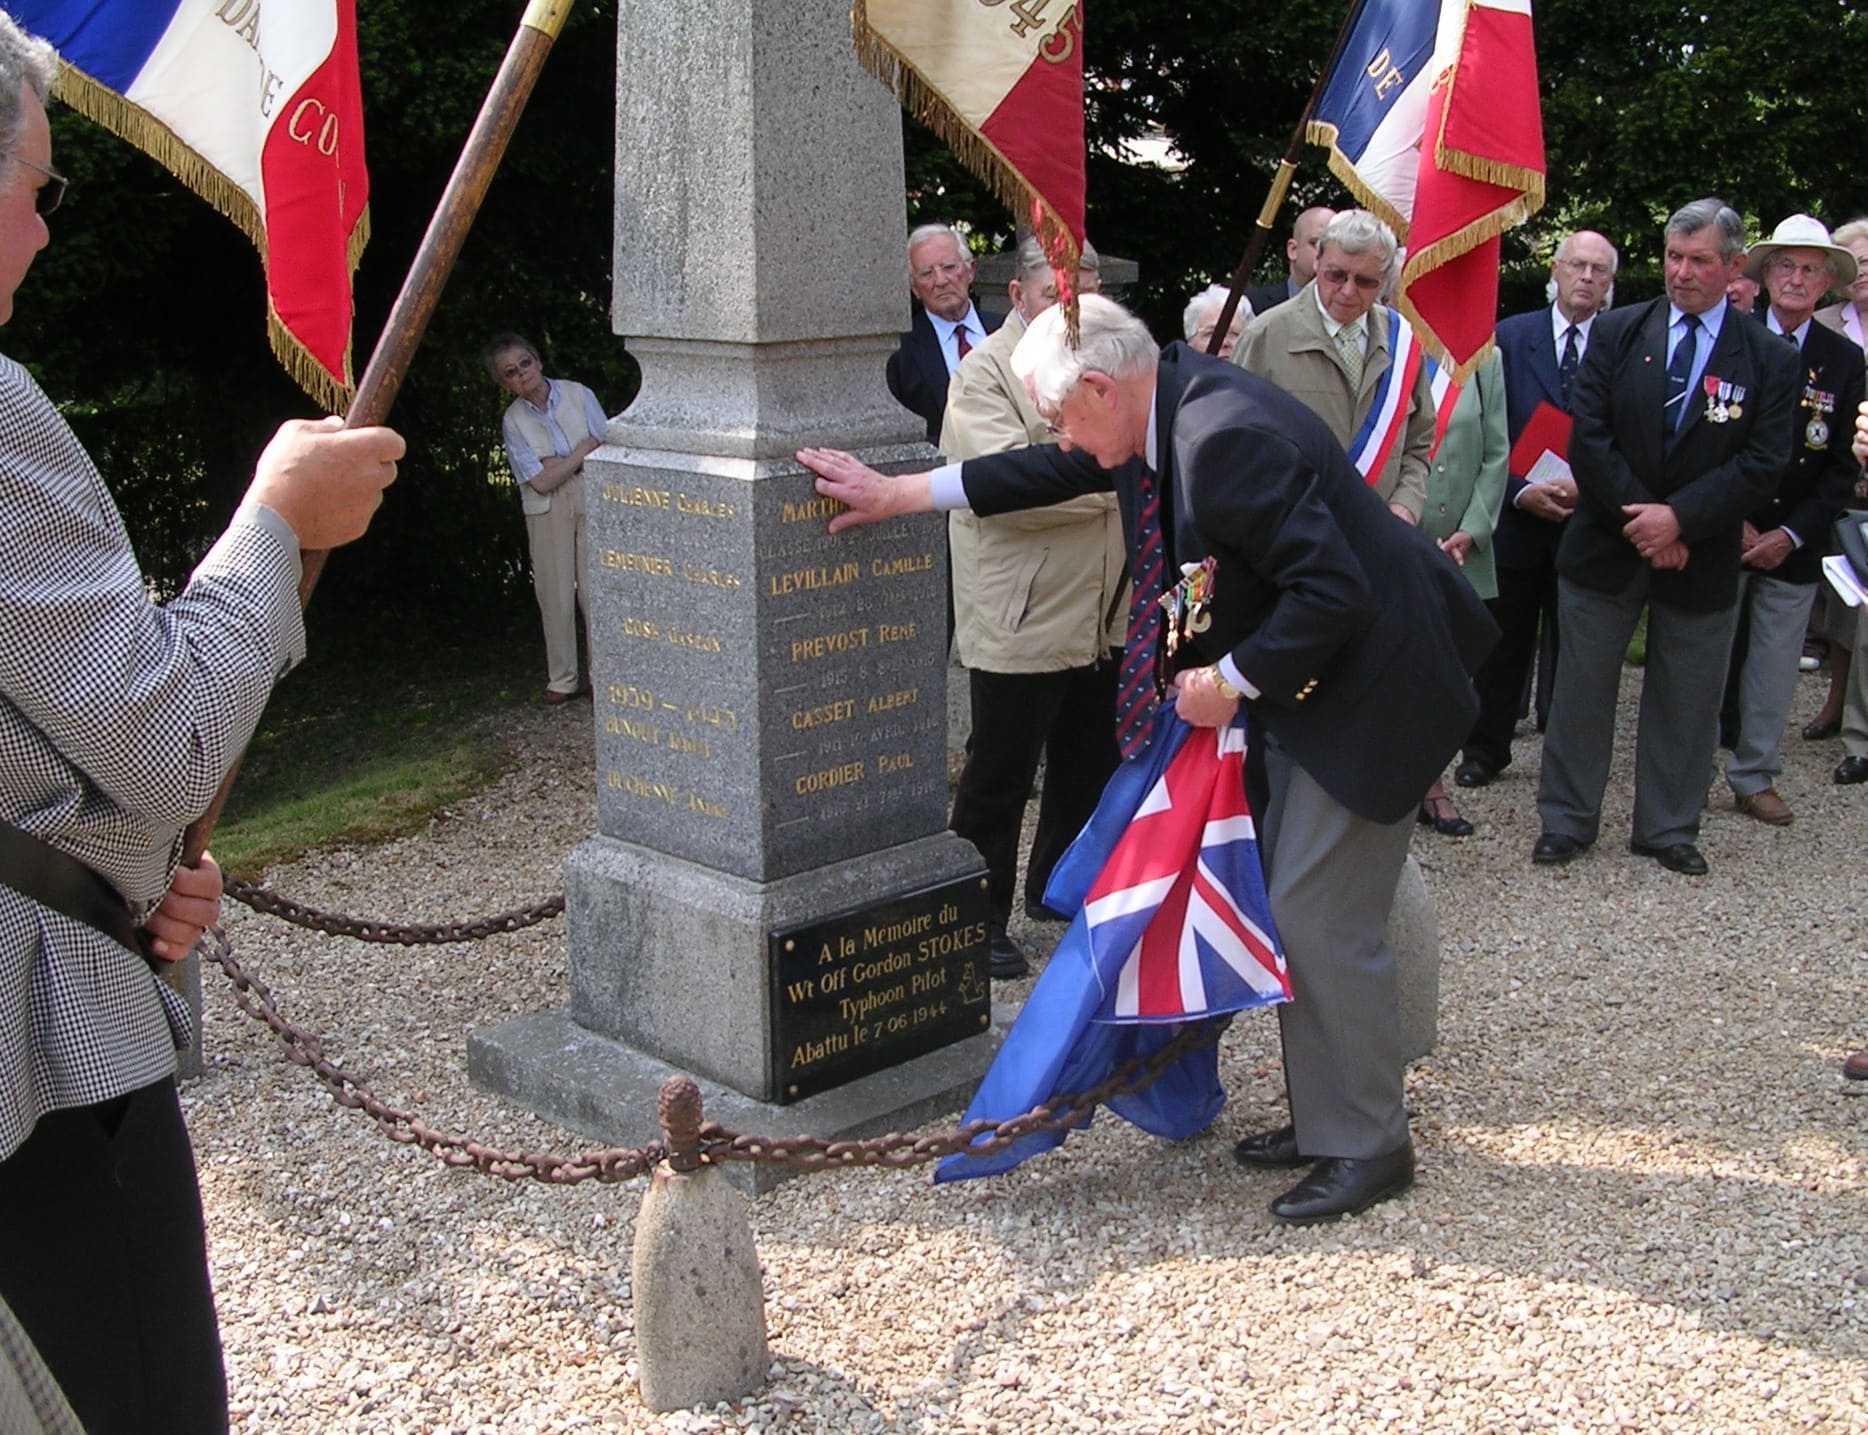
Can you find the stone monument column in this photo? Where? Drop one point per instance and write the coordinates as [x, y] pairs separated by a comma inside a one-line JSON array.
[[773, 903]]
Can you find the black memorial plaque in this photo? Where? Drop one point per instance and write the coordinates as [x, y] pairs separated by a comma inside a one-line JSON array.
[[861, 991]]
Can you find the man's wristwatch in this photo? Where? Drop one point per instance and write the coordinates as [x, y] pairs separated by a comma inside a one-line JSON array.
[[1224, 688]]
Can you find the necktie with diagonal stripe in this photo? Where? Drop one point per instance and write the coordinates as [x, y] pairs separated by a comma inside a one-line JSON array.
[[962, 345], [1135, 684], [1679, 371]]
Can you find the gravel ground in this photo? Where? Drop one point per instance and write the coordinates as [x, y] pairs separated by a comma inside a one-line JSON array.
[[1640, 1207]]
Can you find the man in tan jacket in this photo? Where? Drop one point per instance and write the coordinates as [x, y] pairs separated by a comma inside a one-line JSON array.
[[1040, 607], [1329, 347]]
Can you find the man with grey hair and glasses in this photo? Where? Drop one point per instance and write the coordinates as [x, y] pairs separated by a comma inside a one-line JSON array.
[[1346, 636], [945, 328], [1540, 352], [1681, 429], [119, 717], [1333, 348]]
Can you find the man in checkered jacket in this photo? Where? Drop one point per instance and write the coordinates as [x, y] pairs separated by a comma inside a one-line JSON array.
[[118, 720]]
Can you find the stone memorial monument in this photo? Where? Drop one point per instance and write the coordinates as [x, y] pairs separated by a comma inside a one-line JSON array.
[[773, 903]]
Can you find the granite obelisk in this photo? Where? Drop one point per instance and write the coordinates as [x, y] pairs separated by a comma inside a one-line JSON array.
[[772, 902]]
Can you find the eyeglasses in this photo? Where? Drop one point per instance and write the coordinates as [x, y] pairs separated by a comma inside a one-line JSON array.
[[1787, 266], [1367, 283], [1585, 266], [524, 364], [45, 199]]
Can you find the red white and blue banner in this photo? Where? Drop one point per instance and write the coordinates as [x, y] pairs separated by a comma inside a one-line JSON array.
[[1431, 117], [1002, 85], [1388, 408], [1172, 926], [257, 107]]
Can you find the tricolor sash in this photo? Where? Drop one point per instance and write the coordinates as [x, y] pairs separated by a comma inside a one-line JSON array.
[[1375, 440]]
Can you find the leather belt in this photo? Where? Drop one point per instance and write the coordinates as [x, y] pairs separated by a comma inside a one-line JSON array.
[[57, 880]]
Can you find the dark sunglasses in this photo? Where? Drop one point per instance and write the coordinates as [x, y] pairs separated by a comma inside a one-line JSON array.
[[45, 199], [1367, 283]]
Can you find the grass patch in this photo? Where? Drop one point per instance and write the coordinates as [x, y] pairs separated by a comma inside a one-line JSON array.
[[372, 735], [1637, 645]]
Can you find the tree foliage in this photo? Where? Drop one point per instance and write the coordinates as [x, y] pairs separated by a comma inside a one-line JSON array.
[[145, 315]]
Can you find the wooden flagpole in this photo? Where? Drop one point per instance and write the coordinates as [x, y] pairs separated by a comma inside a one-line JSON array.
[[1280, 189], [427, 276]]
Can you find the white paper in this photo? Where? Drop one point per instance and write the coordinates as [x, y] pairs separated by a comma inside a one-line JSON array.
[[1841, 575], [1548, 468]]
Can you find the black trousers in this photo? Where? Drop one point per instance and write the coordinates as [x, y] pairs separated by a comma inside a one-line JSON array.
[[104, 1261], [1525, 595], [1069, 719]]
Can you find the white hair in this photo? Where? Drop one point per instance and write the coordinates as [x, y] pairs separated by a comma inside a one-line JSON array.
[[920, 235], [1356, 231], [1111, 341], [1207, 304]]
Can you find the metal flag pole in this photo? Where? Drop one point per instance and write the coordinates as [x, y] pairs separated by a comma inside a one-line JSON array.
[[1280, 188], [428, 275]]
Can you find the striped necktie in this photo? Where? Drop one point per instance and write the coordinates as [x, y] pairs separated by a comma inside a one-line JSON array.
[[1135, 691]]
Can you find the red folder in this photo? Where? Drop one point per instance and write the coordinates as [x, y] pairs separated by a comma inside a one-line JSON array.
[[1547, 428]]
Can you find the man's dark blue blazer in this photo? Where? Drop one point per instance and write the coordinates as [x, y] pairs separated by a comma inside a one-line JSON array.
[[918, 372], [1527, 348], [1358, 632]]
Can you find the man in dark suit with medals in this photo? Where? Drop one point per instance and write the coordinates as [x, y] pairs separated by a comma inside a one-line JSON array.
[[1348, 638], [1682, 414], [1541, 352], [1785, 539]]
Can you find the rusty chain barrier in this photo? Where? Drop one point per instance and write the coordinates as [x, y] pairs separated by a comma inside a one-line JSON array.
[[336, 924], [691, 1141]]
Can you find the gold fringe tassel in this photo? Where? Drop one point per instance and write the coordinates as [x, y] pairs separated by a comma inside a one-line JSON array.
[[1322, 132], [918, 96], [136, 126]]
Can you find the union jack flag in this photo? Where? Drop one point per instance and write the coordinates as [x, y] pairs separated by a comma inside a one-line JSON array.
[[1172, 926], [1176, 908]]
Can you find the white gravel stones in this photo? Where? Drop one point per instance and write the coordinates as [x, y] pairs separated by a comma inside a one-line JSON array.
[[1640, 1208]]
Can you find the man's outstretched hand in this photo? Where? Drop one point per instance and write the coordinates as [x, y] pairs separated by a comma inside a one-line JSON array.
[[867, 496]]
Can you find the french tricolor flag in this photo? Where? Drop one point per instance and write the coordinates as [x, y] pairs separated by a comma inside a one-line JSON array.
[[258, 108], [1431, 118]]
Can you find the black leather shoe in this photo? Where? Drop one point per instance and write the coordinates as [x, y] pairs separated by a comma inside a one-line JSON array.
[[1681, 857], [1440, 814], [1038, 912], [1474, 772], [1818, 731], [1004, 960], [1271, 1150], [1339, 1186], [1553, 848], [1851, 770]]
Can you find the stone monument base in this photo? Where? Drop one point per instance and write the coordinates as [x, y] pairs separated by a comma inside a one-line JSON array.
[[549, 1064]]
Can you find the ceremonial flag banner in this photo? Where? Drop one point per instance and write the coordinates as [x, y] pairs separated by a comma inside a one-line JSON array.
[[1431, 117], [1172, 926], [259, 111], [1001, 82]]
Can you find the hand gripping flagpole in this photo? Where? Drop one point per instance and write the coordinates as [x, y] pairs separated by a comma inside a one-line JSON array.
[[1280, 188], [428, 275]]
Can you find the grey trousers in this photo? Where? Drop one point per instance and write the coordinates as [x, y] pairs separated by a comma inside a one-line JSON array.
[[1779, 612], [1687, 653], [1331, 877]]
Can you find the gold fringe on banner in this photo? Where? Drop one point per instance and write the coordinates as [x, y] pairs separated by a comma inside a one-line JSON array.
[[919, 97], [1322, 132], [136, 126]]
